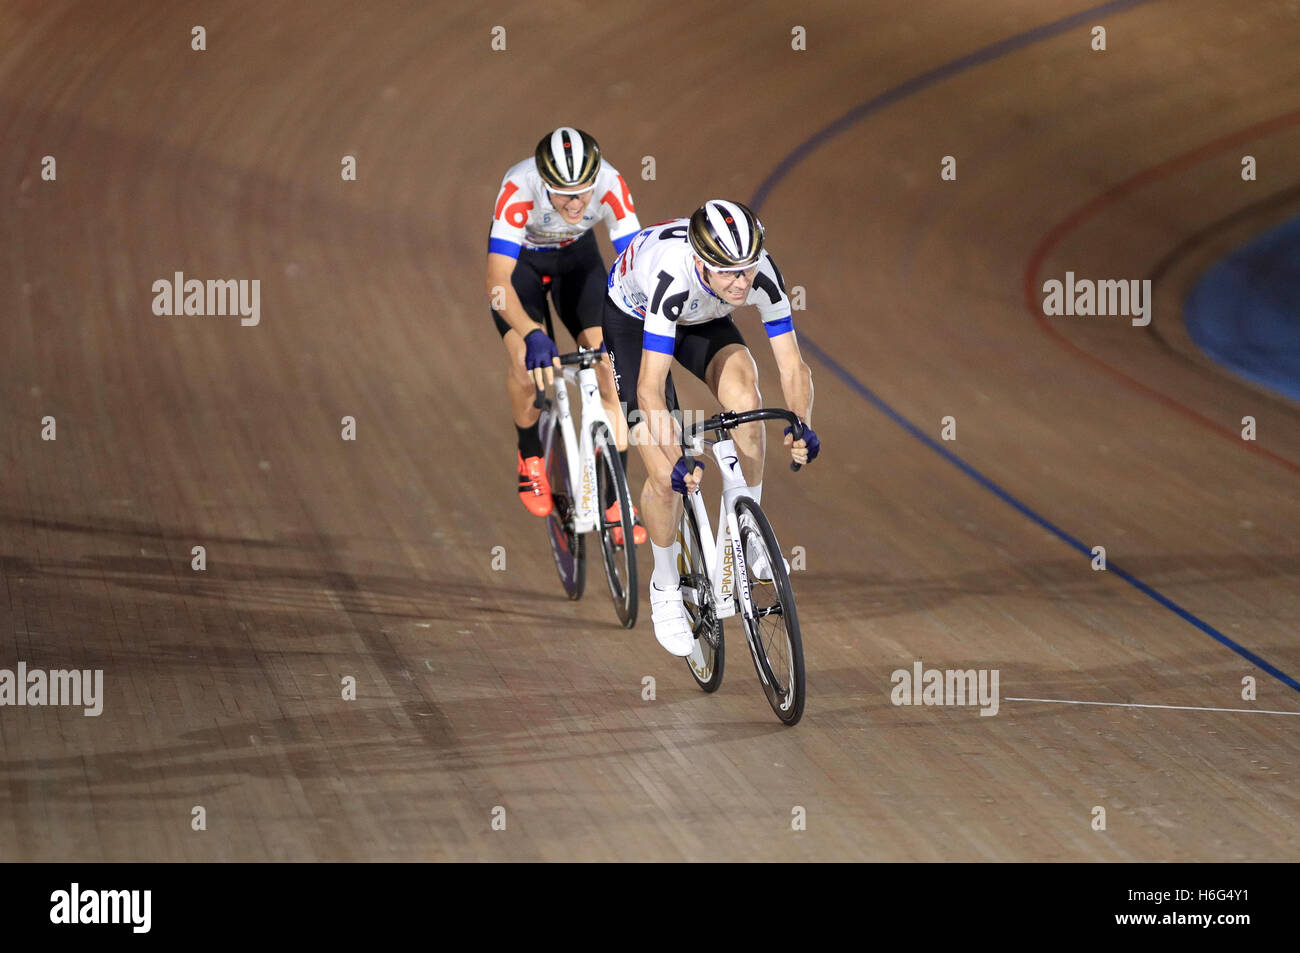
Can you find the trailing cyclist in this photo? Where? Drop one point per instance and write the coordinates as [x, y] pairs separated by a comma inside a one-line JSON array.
[[542, 241]]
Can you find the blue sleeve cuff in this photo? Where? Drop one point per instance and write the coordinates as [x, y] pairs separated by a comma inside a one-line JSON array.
[[779, 326], [503, 247], [660, 343], [621, 243]]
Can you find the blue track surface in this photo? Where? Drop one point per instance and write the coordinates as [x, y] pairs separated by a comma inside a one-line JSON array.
[[1244, 312]]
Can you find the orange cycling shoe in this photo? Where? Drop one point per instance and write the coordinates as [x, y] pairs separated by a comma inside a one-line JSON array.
[[534, 488], [615, 515]]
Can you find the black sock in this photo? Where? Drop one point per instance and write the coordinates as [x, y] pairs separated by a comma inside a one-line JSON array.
[[530, 441]]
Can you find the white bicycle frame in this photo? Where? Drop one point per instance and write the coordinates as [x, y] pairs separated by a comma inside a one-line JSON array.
[[723, 553], [579, 449]]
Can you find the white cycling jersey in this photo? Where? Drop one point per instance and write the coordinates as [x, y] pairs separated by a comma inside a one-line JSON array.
[[524, 217], [654, 279]]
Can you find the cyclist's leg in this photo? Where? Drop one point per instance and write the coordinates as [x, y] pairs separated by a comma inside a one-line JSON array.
[[733, 378], [659, 504], [623, 337], [519, 386], [534, 488], [717, 355], [528, 284]]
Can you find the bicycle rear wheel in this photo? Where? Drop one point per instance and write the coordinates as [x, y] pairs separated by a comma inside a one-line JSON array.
[[708, 658], [773, 633], [619, 558], [568, 547]]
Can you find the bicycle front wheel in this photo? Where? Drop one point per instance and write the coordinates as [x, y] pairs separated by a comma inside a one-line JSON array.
[[773, 633], [618, 548], [708, 657], [568, 547]]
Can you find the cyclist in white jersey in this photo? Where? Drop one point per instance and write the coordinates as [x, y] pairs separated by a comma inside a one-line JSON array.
[[542, 240], [671, 294]]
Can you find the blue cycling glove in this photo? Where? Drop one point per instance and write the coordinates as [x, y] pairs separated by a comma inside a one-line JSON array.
[[679, 473], [541, 350], [810, 440]]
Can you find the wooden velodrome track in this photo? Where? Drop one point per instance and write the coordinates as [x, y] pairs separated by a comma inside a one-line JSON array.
[[479, 688]]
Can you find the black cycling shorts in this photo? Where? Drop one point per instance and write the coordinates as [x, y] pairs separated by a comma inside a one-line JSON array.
[[694, 347], [577, 285]]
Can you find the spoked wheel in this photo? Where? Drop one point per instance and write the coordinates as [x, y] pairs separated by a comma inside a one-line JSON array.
[[568, 547], [708, 658], [618, 548], [773, 633]]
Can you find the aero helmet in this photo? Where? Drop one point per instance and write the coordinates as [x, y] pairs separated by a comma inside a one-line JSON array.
[[726, 235], [568, 160]]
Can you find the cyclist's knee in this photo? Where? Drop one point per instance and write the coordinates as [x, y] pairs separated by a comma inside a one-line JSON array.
[[516, 373], [638, 435], [660, 491], [738, 382], [608, 390], [741, 395]]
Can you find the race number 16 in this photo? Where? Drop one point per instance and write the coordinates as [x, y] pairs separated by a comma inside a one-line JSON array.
[[612, 201], [514, 215]]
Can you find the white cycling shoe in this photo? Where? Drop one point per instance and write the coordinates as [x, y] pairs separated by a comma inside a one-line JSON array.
[[672, 627]]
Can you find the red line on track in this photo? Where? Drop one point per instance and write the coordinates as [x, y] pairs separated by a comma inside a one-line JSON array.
[[1057, 233]]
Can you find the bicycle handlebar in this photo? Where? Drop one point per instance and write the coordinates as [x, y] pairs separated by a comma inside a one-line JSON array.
[[583, 358], [730, 419], [723, 422]]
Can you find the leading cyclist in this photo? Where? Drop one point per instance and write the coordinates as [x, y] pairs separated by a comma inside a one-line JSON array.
[[670, 295]]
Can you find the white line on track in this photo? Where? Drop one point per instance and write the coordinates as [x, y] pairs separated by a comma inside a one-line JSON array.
[[1063, 701]]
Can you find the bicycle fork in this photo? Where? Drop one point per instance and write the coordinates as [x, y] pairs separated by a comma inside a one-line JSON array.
[[724, 552], [580, 448]]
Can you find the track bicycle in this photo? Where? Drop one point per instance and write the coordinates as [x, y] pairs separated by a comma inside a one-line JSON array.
[[718, 583], [584, 470]]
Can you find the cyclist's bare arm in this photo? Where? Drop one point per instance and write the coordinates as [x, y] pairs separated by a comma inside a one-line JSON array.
[[796, 376], [663, 446], [500, 268]]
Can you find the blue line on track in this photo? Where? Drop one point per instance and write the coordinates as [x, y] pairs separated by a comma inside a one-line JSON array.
[[915, 85], [935, 76]]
